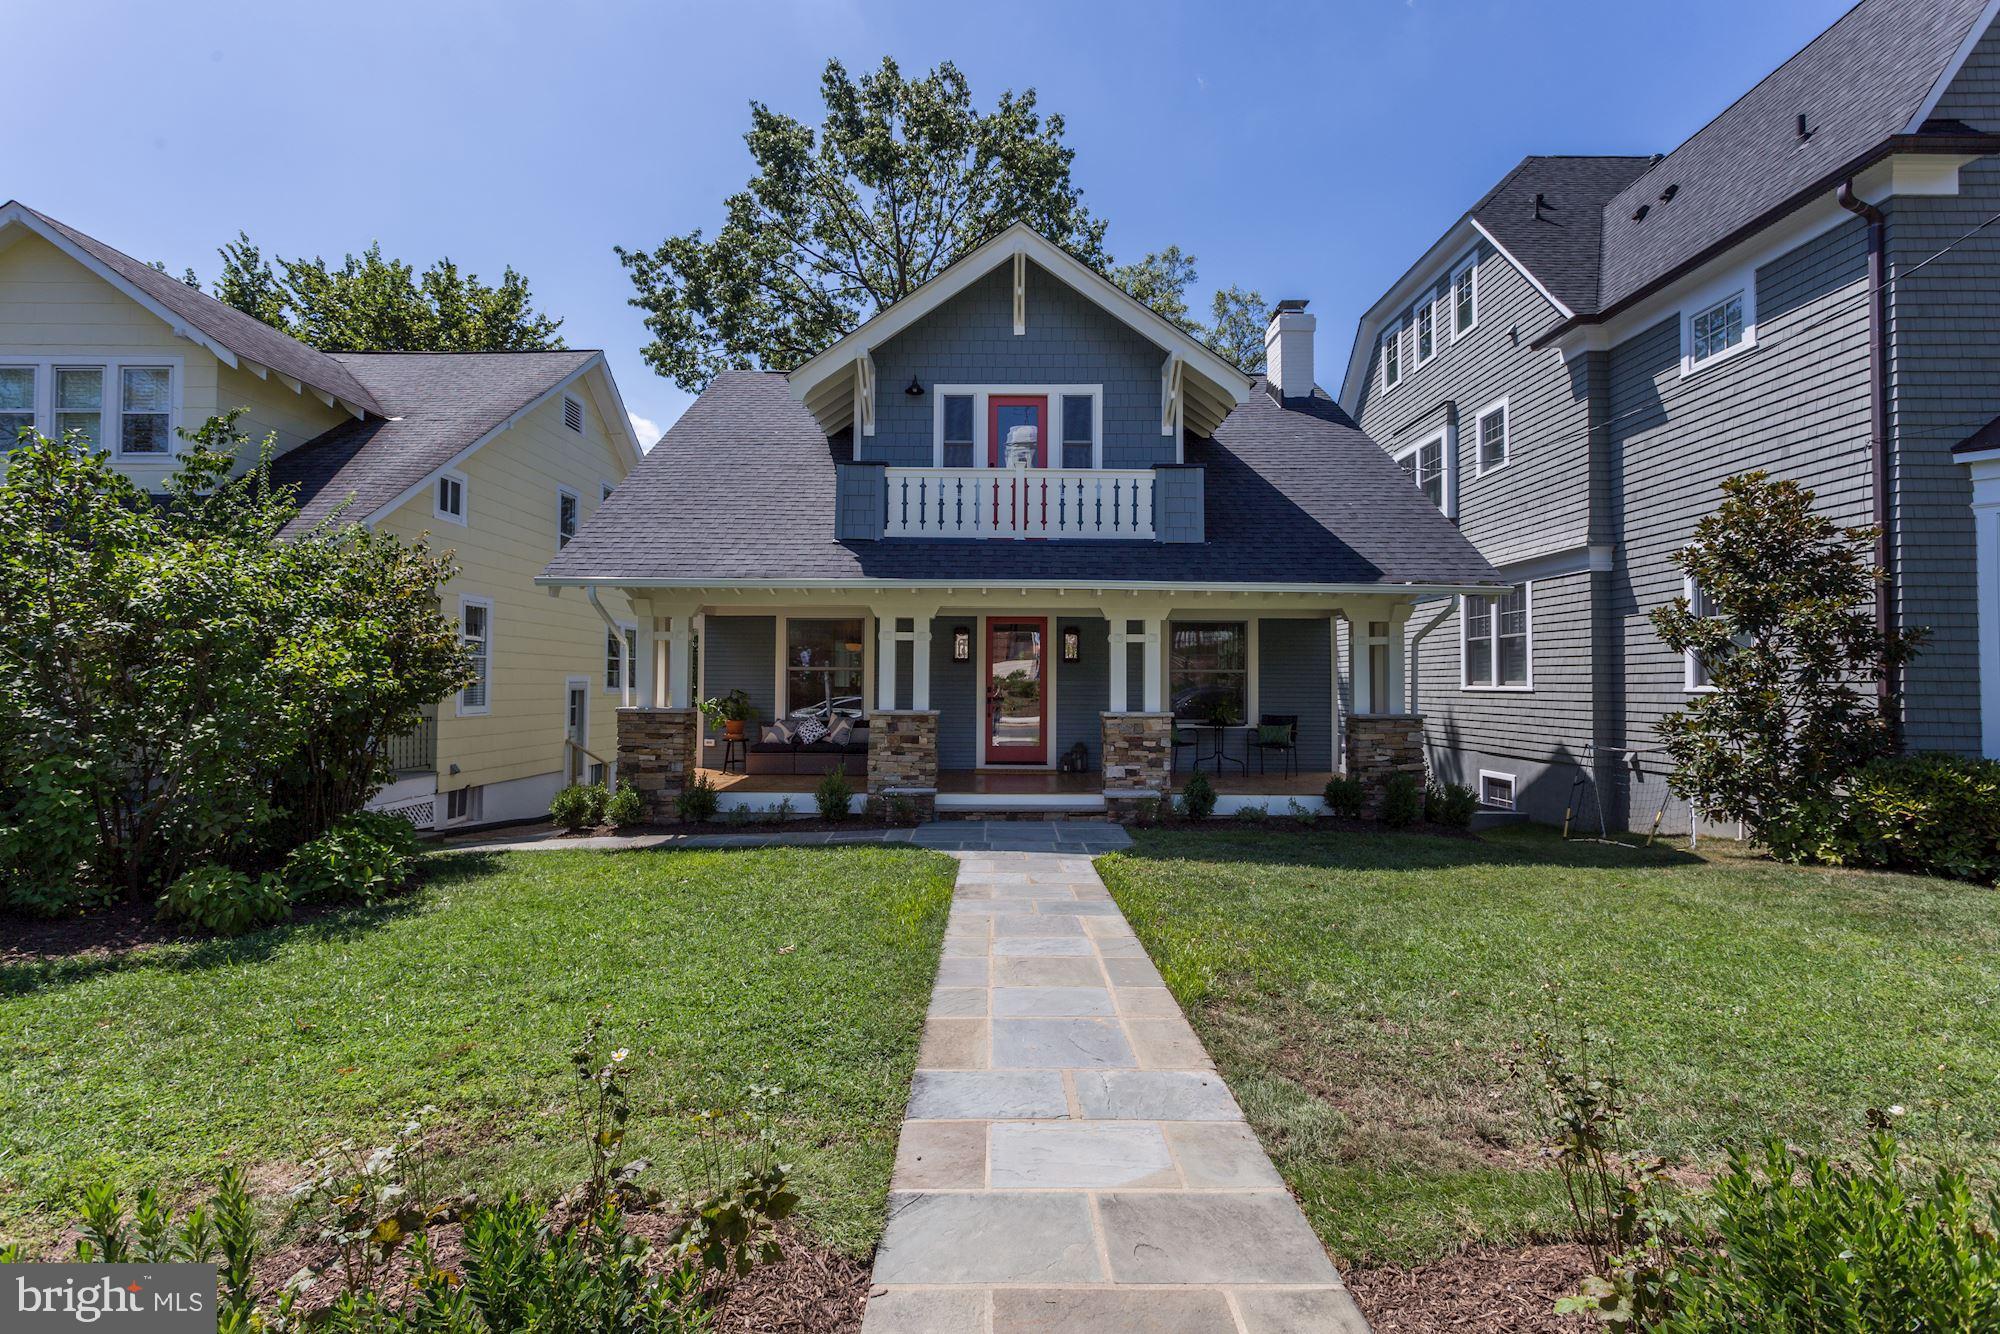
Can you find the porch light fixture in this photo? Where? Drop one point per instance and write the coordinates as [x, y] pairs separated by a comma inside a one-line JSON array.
[[915, 390], [1072, 645], [961, 644]]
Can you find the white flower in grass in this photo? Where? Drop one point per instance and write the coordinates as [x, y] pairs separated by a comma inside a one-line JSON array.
[[619, 1055]]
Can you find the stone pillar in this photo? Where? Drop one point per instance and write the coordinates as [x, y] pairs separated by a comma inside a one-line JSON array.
[[1383, 744], [656, 753], [903, 758], [1138, 761]]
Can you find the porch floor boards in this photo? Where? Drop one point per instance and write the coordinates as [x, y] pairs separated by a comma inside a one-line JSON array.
[[1039, 782]]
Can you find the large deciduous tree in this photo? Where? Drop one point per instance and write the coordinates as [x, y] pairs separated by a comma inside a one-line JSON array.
[[1789, 646], [370, 303], [902, 176]]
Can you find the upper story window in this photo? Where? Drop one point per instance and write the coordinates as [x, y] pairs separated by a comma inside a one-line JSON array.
[[449, 500], [1492, 432], [1392, 356], [128, 409], [475, 631], [1465, 297], [1424, 464], [1716, 329], [1496, 641], [568, 506], [573, 413], [1426, 332], [972, 423]]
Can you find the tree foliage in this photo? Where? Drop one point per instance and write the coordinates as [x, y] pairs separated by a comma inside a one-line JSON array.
[[180, 685], [1235, 330], [1789, 644], [902, 176], [370, 303]]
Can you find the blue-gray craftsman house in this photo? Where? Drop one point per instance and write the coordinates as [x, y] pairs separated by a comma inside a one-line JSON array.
[[1017, 541]]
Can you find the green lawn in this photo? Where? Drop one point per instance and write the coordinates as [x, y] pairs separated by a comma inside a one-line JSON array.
[[806, 969], [1362, 995]]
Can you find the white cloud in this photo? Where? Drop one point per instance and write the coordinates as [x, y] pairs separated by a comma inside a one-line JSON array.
[[647, 431]]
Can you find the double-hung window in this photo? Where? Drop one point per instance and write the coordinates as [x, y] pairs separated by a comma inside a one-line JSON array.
[[1208, 670], [1424, 465], [80, 403], [823, 668], [145, 398], [1392, 356], [617, 648], [1716, 329], [1079, 431], [1426, 332], [958, 439], [124, 409], [1465, 298], [1492, 430], [568, 507], [475, 631], [1700, 605], [17, 403], [1497, 637]]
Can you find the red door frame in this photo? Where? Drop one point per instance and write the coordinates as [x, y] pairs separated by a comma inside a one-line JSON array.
[[994, 444], [1014, 754]]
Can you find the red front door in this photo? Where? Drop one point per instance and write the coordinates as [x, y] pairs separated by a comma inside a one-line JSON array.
[[1004, 413], [1016, 729]]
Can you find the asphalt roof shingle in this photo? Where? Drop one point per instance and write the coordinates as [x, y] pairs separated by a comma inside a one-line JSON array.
[[435, 404], [1561, 241], [742, 489]]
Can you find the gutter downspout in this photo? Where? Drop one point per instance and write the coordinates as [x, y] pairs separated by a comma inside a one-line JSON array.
[[1886, 683]]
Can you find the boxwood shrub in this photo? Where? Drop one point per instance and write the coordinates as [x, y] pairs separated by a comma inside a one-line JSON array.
[[1929, 814]]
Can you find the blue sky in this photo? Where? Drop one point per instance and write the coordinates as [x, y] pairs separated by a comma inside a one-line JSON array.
[[1310, 150]]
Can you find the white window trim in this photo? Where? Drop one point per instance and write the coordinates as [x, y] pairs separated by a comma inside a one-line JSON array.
[[604, 490], [472, 796], [582, 418], [1449, 490], [1252, 659], [1513, 790], [568, 493], [1418, 357], [1479, 468], [982, 394], [1393, 335], [1688, 681], [1470, 264], [1494, 687], [112, 402], [628, 632], [464, 516], [1741, 282], [480, 710]]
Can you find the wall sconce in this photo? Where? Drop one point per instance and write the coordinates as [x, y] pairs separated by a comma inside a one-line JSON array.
[[915, 390], [1072, 646], [961, 644]]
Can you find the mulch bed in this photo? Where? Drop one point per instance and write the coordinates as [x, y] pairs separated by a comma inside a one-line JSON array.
[[1485, 1288], [1281, 820]]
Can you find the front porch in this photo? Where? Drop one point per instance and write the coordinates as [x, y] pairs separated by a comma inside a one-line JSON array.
[[972, 791]]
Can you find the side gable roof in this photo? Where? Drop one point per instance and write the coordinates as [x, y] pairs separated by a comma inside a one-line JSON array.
[[1865, 80], [1558, 241], [1230, 384], [1296, 497], [440, 407], [227, 332]]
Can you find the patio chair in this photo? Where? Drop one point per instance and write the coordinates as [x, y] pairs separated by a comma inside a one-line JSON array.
[[1183, 739], [1277, 732]]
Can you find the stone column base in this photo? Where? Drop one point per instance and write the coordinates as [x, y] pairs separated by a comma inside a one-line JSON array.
[[903, 805], [656, 753], [1381, 745], [1135, 807], [902, 751], [1138, 757]]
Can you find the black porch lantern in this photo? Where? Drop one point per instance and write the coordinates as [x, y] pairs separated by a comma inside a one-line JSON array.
[[915, 390], [961, 644], [1072, 645]]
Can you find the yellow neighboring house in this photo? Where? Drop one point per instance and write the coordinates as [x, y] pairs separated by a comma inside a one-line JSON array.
[[500, 456]]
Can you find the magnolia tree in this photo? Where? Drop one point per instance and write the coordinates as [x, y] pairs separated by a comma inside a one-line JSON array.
[[178, 684], [1787, 638]]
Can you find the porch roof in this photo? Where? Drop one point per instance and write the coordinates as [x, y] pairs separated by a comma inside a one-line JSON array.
[[741, 490]]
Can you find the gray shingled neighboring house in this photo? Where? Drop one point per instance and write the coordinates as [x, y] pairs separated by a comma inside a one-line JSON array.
[[1573, 367], [1020, 543]]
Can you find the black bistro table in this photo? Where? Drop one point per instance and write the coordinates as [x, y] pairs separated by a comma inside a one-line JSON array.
[[1219, 749]]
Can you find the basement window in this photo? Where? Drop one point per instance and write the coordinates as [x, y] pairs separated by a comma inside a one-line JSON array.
[[1496, 790]]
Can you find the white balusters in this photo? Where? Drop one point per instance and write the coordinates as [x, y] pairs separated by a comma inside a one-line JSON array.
[[1076, 504]]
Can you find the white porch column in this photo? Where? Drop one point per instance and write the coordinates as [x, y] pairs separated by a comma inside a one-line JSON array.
[[1152, 640], [885, 659], [649, 653], [1399, 620], [1336, 759], [1358, 670], [1121, 663], [680, 648], [920, 661]]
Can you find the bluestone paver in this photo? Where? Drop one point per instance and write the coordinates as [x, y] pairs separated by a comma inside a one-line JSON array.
[[1070, 1159]]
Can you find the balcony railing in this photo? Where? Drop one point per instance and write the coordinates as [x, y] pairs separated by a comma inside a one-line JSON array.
[[1073, 503], [415, 751]]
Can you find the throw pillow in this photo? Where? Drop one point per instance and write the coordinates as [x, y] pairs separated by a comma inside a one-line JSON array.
[[842, 731], [1273, 734], [811, 730], [777, 734]]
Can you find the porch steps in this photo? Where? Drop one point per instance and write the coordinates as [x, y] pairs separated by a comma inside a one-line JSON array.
[[1021, 806]]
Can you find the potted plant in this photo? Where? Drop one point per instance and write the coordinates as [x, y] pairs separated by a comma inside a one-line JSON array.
[[1223, 714], [729, 713]]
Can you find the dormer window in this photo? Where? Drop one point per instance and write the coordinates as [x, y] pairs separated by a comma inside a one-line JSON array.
[[958, 437], [971, 424]]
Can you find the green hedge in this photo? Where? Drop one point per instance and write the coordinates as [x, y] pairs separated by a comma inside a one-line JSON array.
[[1929, 814]]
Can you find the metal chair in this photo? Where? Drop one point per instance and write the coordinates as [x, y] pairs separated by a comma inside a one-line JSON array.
[[1182, 739], [1288, 747]]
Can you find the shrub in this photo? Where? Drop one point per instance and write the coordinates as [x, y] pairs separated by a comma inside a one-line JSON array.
[[1345, 797], [695, 803], [226, 902], [580, 806], [1254, 814], [1802, 1242], [625, 808], [834, 796], [1932, 814], [1198, 797], [1450, 805], [1402, 801], [364, 858]]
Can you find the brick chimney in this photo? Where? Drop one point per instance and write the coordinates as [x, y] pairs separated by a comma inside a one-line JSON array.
[[1288, 349]]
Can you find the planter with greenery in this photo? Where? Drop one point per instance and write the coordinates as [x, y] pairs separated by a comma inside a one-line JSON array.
[[729, 714]]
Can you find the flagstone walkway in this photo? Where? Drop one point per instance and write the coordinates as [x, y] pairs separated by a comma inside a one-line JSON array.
[[1070, 1160]]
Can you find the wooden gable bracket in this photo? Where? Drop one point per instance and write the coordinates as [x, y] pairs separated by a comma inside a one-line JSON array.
[[864, 392], [1170, 394], [1020, 293]]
